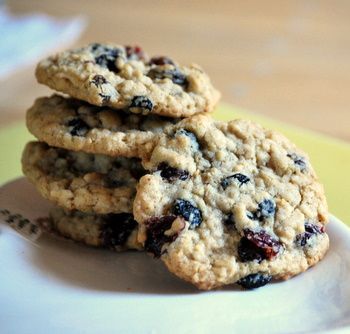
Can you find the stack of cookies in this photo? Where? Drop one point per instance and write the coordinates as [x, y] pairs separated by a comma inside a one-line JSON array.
[[132, 160]]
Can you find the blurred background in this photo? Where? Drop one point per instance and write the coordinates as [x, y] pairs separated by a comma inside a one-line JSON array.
[[288, 60]]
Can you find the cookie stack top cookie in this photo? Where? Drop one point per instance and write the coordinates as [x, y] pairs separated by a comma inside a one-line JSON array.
[[126, 78]]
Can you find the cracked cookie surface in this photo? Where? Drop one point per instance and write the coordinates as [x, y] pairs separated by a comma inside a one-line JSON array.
[[75, 125], [125, 78], [81, 181], [230, 202], [115, 231]]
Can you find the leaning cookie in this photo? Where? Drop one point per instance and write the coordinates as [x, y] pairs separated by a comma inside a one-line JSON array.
[[124, 78], [81, 181], [230, 203], [116, 231], [78, 126]]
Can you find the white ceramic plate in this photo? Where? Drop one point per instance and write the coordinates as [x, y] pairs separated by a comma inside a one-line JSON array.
[[55, 286]]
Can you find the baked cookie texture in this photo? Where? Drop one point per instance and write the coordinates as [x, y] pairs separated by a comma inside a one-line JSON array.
[[125, 78], [115, 231], [230, 202], [75, 125], [81, 181]]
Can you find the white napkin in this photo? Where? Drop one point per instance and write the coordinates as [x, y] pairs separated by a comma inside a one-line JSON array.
[[26, 38]]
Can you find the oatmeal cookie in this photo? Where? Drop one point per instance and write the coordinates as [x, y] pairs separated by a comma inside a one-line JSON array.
[[125, 78], [82, 181], [75, 125], [230, 202]]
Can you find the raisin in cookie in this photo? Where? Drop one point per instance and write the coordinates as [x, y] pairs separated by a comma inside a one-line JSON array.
[[124, 78], [116, 231], [82, 181], [230, 202], [78, 126]]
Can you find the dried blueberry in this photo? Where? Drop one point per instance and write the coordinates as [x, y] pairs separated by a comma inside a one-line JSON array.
[[171, 173], [188, 211], [108, 57], [161, 61], [299, 161], [257, 246], [155, 237], [310, 230], [78, 127], [241, 178], [229, 221], [134, 53], [254, 281], [98, 80], [266, 209], [116, 229], [105, 98], [303, 238], [175, 75], [194, 142], [95, 46], [141, 104], [252, 215]]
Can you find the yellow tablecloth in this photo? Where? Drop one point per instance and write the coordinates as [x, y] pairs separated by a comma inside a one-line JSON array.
[[329, 157]]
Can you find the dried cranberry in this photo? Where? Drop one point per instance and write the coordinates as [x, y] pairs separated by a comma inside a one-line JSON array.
[[116, 229], [155, 237], [175, 75], [108, 57], [247, 251], [254, 281], [241, 178], [78, 127], [310, 230], [313, 228], [257, 246], [299, 161], [161, 61], [171, 173], [134, 53], [263, 241], [141, 104], [188, 211]]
